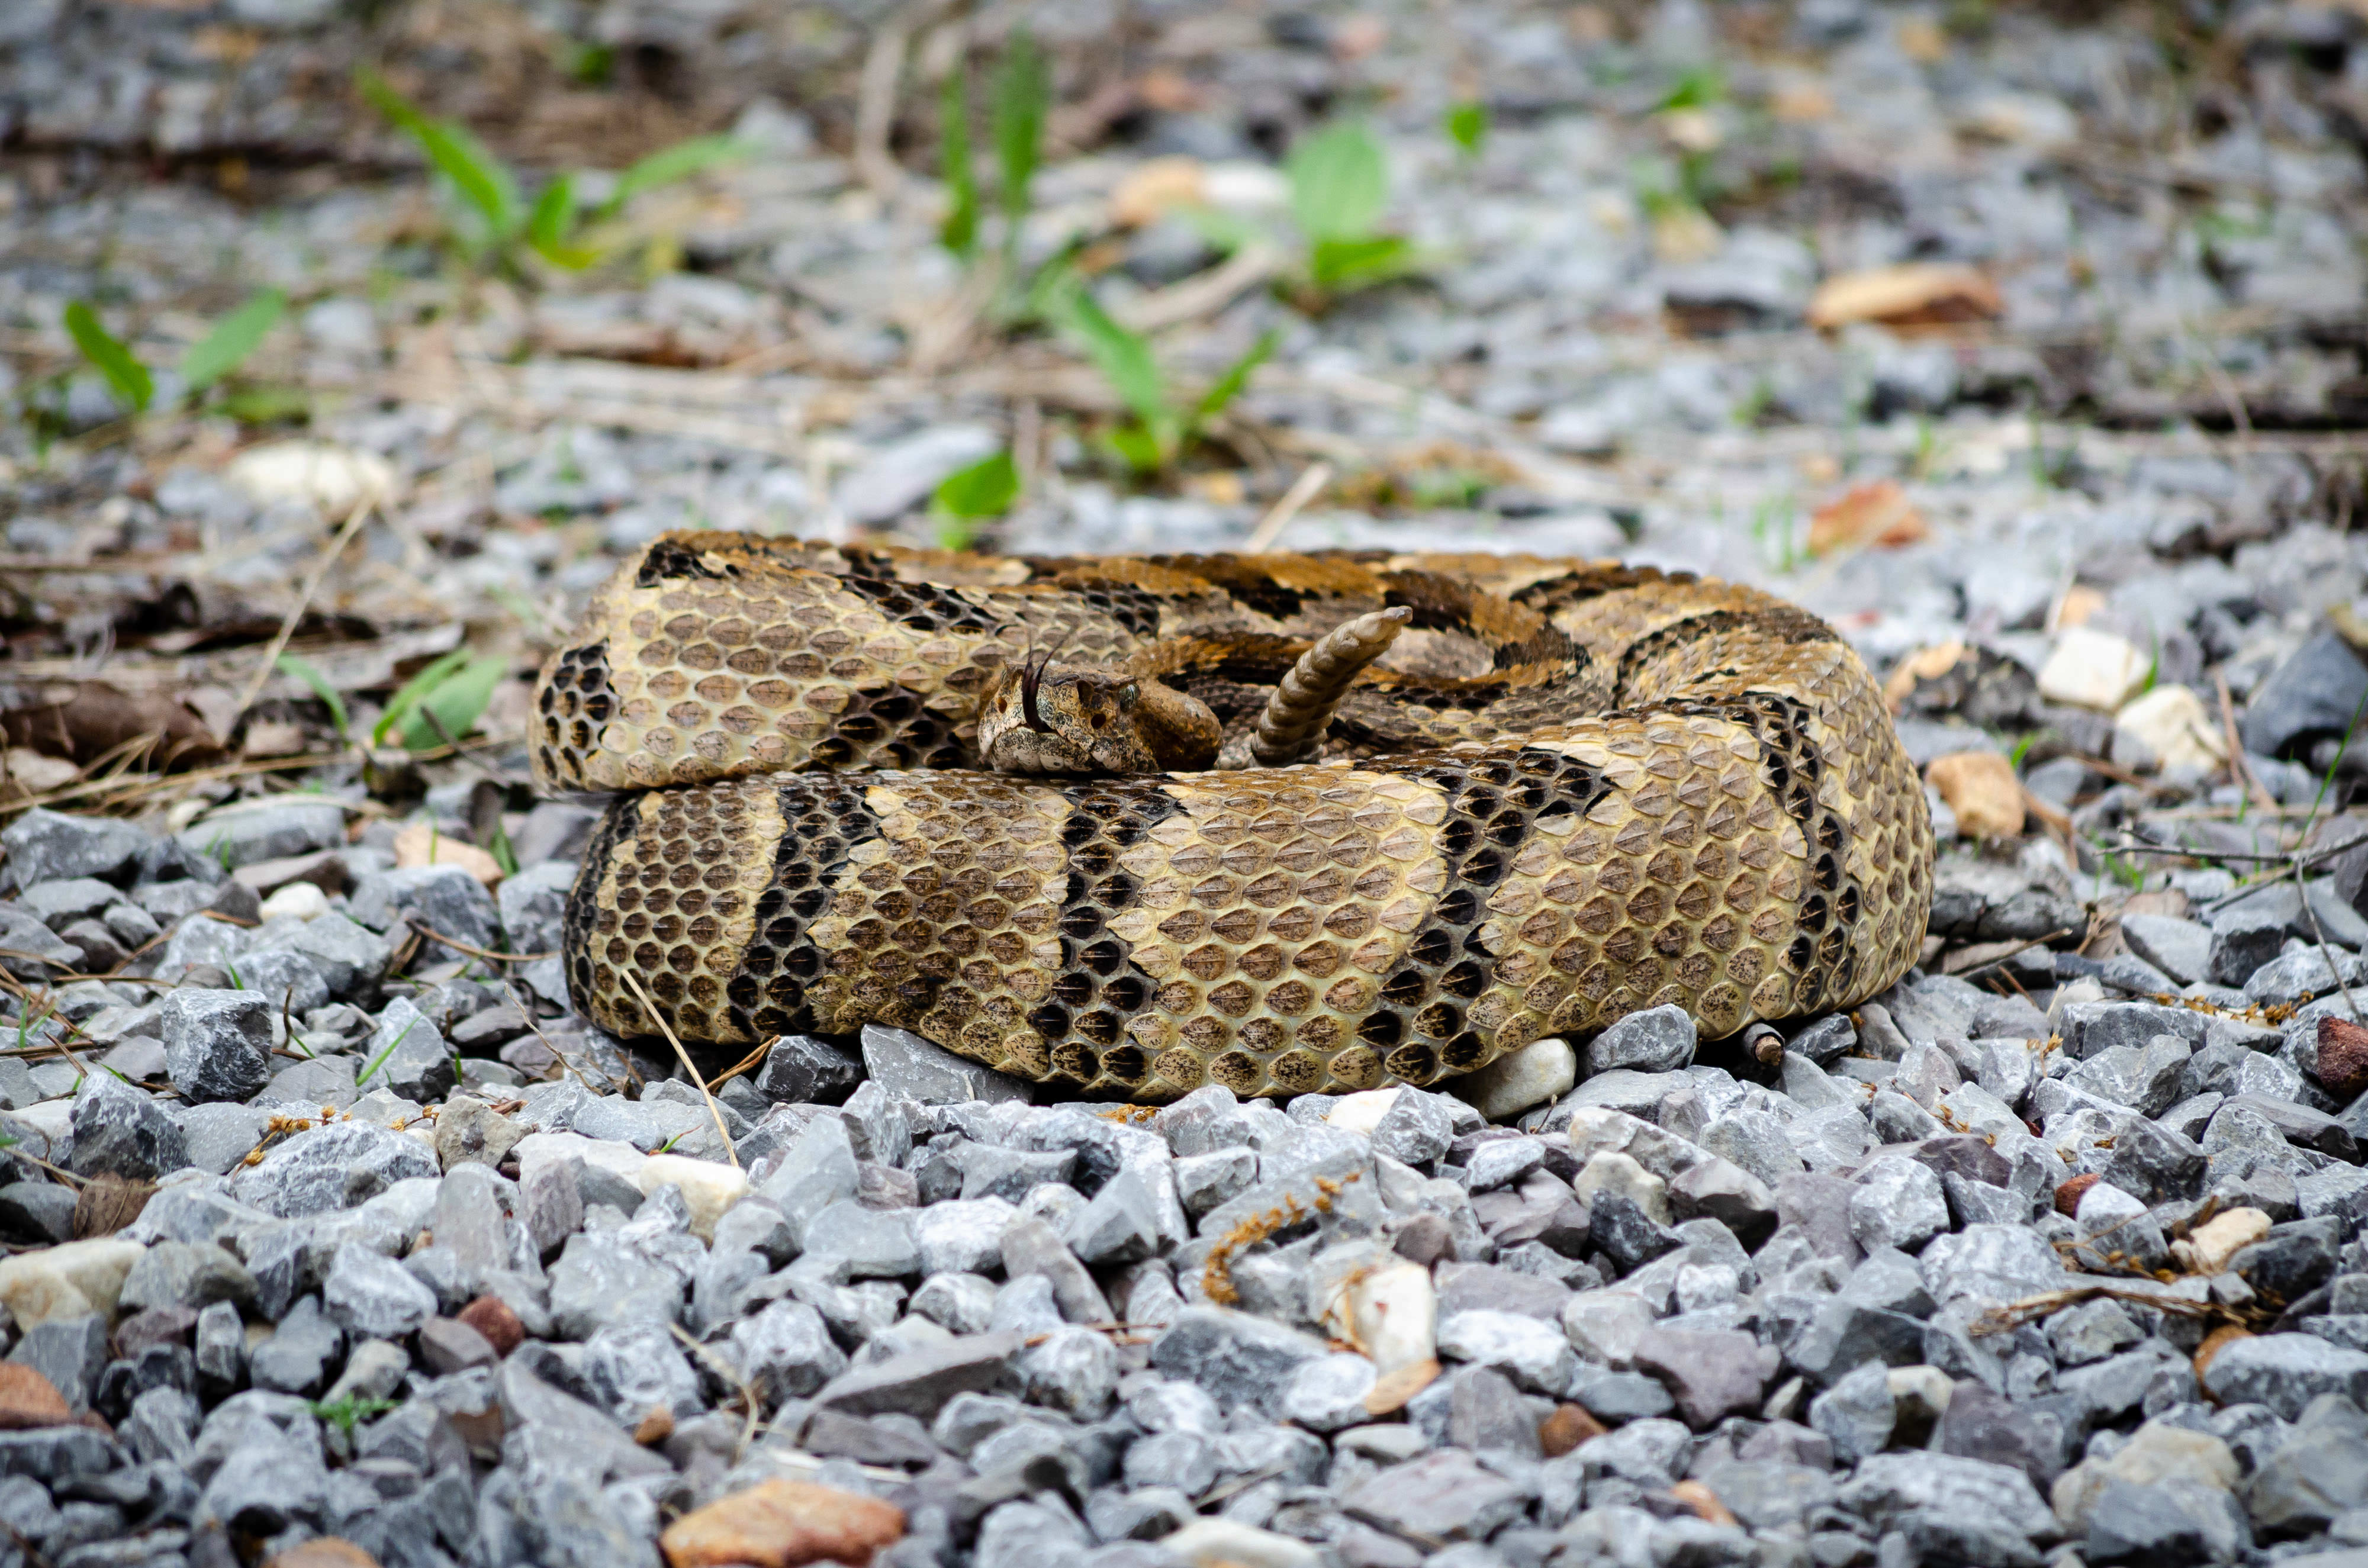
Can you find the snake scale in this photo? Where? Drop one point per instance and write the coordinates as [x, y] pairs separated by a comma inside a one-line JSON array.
[[1570, 791]]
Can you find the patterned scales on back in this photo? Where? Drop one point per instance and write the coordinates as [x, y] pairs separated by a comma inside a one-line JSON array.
[[1683, 791]]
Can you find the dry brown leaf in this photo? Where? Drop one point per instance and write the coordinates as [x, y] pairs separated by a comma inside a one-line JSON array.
[[1879, 514], [1982, 790], [421, 845], [2216, 1341], [1924, 663], [1152, 190], [783, 1524], [83, 721], [1392, 1390], [1916, 293]]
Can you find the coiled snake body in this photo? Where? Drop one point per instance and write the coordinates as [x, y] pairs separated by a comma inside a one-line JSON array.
[[1570, 791]]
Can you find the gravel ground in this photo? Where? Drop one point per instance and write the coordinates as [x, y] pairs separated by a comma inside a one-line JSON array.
[[334, 1236]]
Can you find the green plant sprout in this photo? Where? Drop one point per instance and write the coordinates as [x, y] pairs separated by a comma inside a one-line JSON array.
[[959, 231], [1160, 429], [969, 497], [305, 670], [1340, 188], [380, 1060], [496, 217], [350, 1411], [1467, 126], [1023, 99], [226, 346], [442, 702]]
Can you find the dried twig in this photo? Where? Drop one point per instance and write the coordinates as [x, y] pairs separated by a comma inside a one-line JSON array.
[[2239, 767], [1278, 517], [2320, 932], [714, 1108], [424, 929], [278, 645]]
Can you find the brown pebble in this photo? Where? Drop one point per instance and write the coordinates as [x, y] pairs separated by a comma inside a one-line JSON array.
[[2216, 1341], [656, 1427], [323, 1552], [28, 1399], [1392, 1390], [1423, 1239], [491, 1316], [2343, 1057], [1703, 1502], [2068, 1196], [1568, 1427], [783, 1524]]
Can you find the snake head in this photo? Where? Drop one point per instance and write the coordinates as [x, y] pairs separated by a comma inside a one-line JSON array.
[[1041, 716]]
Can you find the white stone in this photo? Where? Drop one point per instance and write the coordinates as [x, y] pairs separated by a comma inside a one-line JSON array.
[[335, 478], [2208, 1247], [1362, 1112], [2155, 1453], [2093, 669], [67, 1280], [709, 1186], [1603, 1325], [1538, 1072], [1390, 1313], [2169, 728], [1207, 1542], [1615, 1172], [301, 900]]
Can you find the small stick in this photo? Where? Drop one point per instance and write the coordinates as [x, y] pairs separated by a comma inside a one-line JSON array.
[[1278, 517], [2320, 932], [426, 929], [712, 1109], [2239, 766], [303, 602]]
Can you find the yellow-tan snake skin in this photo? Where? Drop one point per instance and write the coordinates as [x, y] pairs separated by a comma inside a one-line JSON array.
[[1571, 791]]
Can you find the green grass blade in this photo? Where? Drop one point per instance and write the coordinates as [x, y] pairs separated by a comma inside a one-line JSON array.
[[1124, 356], [400, 110], [1023, 96], [958, 233], [1227, 387], [1339, 182], [407, 696], [380, 1060], [985, 489], [452, 708], [1140, 446], [128, 376], [308, 672], [552, 222], [668, 164], [234, 337], [1340, 265], [484, 181], [1467, 127]]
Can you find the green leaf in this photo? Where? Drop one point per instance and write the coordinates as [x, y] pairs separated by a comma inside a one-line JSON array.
[[1339, 182], [1023, 94], [129, 378], [958, 233], [552, 220], [1124, 356], [407, 696], [498, 847], [266, 406], [1467, 127], [483, 180], [1335, 265], [1141, 448], [985, 489], [452, 708], [1227, 387], [668, 164], [380, 1060], [387, 102], [305, 670], [1698, 88], [234, 337]]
